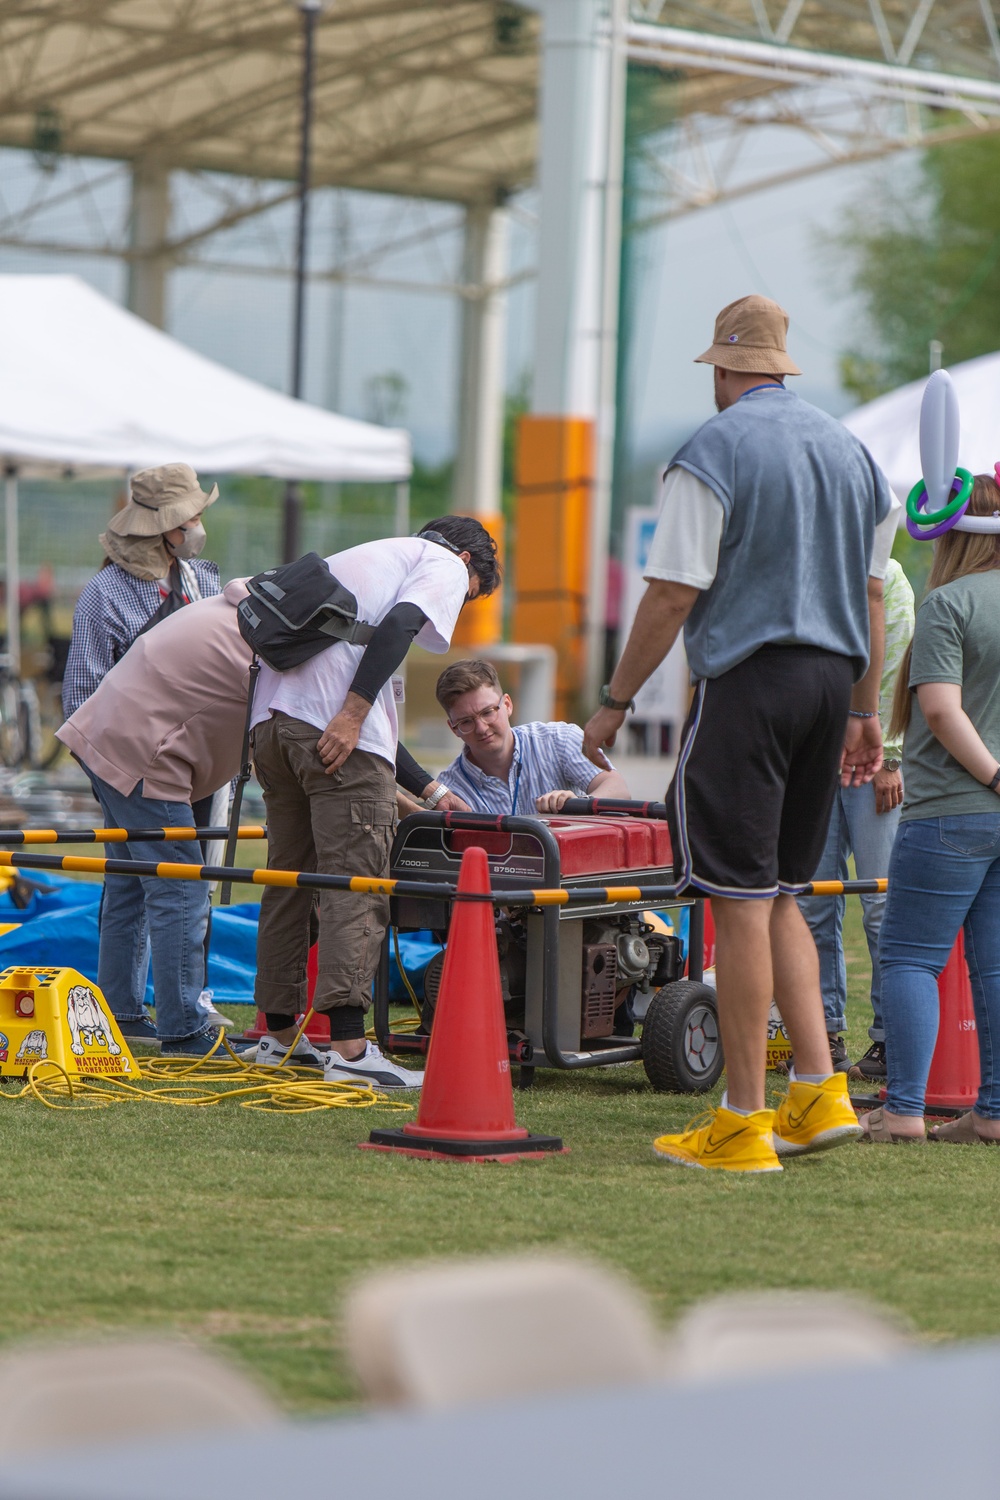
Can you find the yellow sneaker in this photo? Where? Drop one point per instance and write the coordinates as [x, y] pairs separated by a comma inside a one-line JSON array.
[[814, 1117], [721, 1139]]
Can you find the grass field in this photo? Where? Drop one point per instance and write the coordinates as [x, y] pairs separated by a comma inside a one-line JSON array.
[[245, 1229]]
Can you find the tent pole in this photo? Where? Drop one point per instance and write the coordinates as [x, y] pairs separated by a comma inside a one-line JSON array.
[[402, 508], [13, 574]]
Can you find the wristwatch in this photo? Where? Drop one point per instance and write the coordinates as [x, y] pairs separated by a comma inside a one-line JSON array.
[[892, 764], [605, 699], [435, 797]]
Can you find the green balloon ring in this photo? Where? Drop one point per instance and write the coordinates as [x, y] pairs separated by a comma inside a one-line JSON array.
[[932, 517]]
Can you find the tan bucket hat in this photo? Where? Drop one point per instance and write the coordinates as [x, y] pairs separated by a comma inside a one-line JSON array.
[[162, 499], [750, 337]]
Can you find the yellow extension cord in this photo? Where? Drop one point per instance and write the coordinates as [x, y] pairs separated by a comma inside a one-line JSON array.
[[184, 1083]]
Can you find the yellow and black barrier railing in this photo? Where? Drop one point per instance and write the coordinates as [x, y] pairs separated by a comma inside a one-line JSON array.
[[124, 835], [371, 885]]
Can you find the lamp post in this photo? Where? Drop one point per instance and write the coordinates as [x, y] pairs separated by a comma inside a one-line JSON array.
[[309, 10]]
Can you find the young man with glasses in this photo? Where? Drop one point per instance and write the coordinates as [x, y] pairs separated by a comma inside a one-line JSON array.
[[501, 769]]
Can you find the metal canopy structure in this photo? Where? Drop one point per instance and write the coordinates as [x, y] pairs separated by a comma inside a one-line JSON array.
[[439, 98], [423, 97]]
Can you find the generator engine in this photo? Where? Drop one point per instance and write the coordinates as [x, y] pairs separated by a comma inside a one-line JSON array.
[[624, 961]]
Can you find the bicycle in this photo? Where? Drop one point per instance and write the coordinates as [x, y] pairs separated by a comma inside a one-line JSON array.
[[28, 721]]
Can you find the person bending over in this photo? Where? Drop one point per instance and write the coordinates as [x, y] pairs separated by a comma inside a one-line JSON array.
[[506, 769], [324, 747]]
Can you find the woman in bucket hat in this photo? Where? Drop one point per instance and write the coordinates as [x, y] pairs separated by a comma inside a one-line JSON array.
[[149, 571]]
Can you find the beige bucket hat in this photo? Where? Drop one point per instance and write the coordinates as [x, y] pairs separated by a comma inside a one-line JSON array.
[[162, 499], [750, 337]]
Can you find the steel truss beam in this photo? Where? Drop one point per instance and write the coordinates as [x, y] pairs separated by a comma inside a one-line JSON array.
[[416, 99]]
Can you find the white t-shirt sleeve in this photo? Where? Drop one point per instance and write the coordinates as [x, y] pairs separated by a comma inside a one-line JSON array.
[[885, 535], [685, 545], [438, 585]]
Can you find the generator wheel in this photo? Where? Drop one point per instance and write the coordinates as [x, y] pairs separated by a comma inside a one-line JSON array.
[[432, 984], [681, 1047]]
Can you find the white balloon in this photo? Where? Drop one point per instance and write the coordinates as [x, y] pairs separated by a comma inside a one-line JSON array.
[[939, 434]]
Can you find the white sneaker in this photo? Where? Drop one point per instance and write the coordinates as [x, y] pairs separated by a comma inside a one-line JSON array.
[[270, 1053], [209, 1015], [370, 1067]]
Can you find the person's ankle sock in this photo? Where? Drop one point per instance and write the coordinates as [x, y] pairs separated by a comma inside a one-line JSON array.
[[276, 1021], [725, 1104], [812, 1077], [347, 1024]]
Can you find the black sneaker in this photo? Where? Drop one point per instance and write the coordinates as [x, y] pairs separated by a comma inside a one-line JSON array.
[[838, 1052], [138, 1029], [871, 1067]]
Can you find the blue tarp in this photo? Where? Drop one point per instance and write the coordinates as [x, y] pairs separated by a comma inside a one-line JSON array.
[[60, 931]]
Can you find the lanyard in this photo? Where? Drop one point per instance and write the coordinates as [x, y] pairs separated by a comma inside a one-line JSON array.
[[517, 786]]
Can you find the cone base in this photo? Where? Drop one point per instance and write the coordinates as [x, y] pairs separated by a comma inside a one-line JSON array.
[[444, 1148]]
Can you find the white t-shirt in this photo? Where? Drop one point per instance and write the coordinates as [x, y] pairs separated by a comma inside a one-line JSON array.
[[400, 570], [685, 545]]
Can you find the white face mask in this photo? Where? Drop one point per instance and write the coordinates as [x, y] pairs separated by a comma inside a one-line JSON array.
[[191, 546]]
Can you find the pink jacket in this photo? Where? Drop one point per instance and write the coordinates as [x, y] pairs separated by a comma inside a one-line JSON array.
[[171, 713]]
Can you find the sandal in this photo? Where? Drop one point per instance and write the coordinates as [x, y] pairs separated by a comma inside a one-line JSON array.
[[960, 1132], [875, 1127]]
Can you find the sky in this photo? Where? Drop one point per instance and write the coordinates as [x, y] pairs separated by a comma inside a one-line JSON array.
[[769, 242]]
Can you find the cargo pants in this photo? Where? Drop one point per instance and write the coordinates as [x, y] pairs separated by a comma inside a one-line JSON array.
[[340, 824]]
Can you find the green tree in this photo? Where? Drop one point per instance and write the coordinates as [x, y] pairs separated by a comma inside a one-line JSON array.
[[925, 261]]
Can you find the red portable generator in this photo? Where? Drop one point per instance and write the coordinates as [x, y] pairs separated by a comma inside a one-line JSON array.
[[578, 980]]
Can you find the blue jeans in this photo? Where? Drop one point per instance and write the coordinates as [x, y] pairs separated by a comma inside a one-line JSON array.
[[944, 874], [144, 913], [855, 828]]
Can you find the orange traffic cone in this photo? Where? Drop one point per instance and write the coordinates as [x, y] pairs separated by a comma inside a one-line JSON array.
[[953, 1082], [467, 1102]]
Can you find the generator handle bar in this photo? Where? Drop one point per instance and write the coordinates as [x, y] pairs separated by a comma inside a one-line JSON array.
[[583, 807]]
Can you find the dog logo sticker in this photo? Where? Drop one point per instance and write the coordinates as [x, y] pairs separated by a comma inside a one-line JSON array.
[[89, 1026]]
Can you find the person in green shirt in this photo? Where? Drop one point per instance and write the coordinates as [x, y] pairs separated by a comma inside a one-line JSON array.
[[944, 875], [863, 823]]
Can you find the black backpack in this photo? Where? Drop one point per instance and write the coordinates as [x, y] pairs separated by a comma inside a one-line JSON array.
[[295, 611], [292, 613]]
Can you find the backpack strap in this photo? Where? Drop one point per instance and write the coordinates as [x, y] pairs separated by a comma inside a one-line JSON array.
[[246, 770]]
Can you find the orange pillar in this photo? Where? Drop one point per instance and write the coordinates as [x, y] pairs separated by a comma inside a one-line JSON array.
[[481, 621], [555, 476]]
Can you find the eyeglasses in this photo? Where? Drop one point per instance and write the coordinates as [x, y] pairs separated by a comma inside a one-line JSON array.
[[468, 722]]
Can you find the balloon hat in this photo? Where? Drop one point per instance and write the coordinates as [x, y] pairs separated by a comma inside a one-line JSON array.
[[945, 485]]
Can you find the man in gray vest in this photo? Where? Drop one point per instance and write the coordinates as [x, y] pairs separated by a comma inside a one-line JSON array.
[[762, 554]]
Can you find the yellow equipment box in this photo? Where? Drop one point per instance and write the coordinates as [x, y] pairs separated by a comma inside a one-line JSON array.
[[58, 1015]]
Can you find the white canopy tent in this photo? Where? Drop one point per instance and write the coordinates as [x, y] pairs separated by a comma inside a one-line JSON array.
[[890, 426], [86, 387]]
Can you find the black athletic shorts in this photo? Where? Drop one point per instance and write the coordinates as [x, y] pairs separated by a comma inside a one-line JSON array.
[[750, 802]]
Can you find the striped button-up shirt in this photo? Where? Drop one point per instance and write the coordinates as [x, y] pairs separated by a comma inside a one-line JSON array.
[[547, 758]]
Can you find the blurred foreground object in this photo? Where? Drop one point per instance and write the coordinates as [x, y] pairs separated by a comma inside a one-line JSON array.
[[746, 1333], [59, 1395], [448, 1333]]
